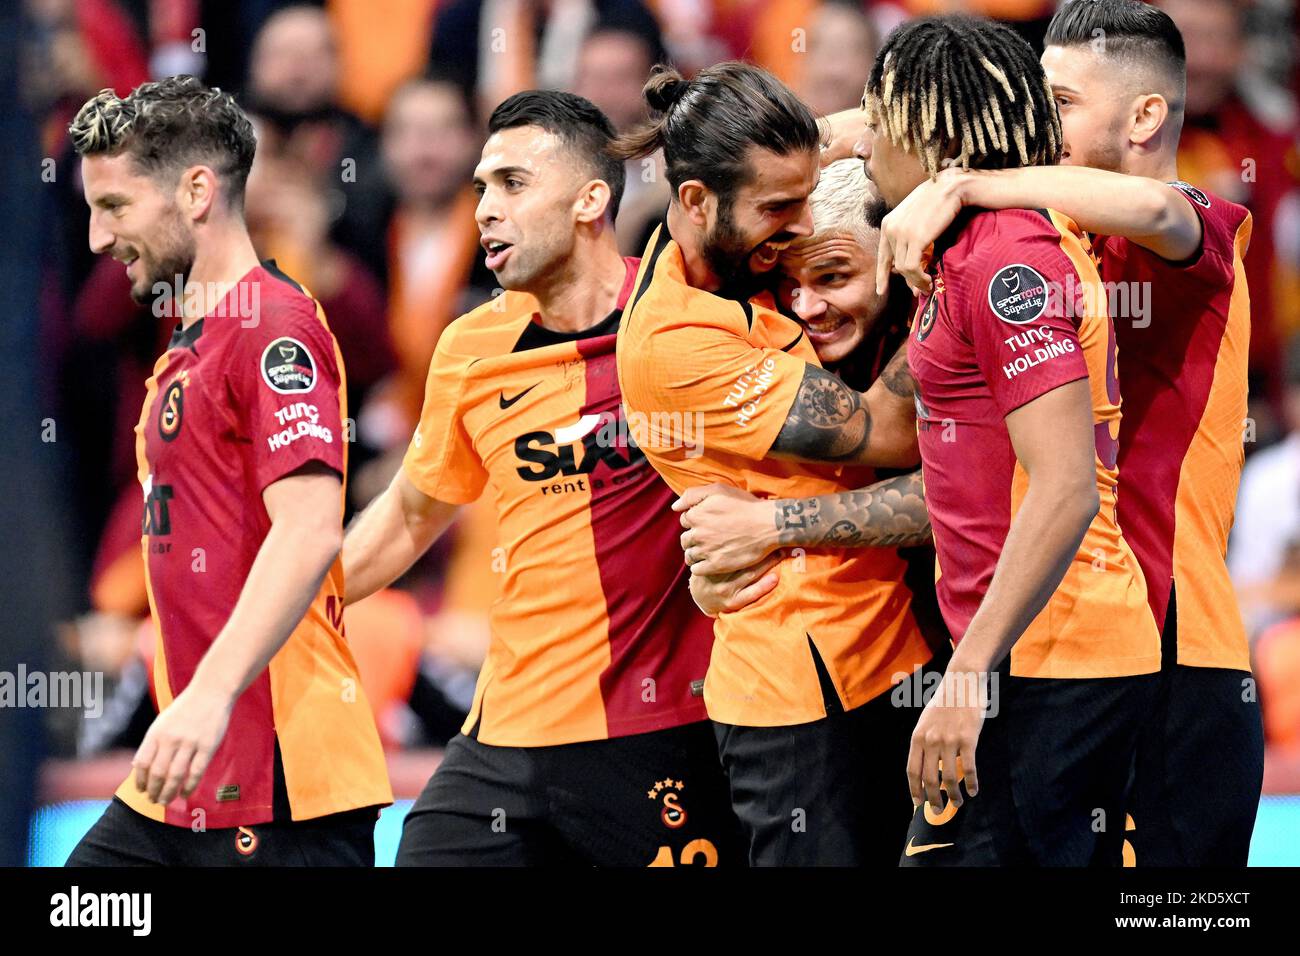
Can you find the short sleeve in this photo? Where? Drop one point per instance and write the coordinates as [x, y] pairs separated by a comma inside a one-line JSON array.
[[1213, 263], [1024, 301], [287, 387], [711, 384], [441, 460]]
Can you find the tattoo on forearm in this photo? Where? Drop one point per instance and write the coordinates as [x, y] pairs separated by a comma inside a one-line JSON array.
[[888, 514], [828, 421], [897, 376]]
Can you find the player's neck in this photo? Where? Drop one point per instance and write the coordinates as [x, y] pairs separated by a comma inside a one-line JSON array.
[[1154, 166], [586, 291], [222, 259], [699, 275]]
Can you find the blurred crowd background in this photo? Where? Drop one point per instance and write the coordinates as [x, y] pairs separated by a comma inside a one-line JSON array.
[[370, 116]]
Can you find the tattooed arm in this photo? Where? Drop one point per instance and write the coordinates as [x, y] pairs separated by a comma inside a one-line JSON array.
[[728, 529], [831, 422], [888, 514]]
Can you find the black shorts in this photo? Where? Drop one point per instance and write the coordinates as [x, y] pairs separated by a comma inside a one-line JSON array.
[[122, 837], [652, 799], [1054, 764], [832, 792], [1200, 765]]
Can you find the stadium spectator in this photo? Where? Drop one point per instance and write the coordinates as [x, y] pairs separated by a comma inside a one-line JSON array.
[[842, 43], [495, 48], [613, 63], [293, 89], [430, 242], [75, 48], [1233, 148], [380, 47]]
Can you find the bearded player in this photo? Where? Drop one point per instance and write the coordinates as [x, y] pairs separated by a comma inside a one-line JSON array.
[[799, 681], [827, 281], [264, 750], [586, 743], [1171, 257]]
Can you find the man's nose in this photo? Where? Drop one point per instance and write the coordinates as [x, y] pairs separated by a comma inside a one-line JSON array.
[[101, 239], [862, 148], [487, 211], [807, 305], [803, 226]]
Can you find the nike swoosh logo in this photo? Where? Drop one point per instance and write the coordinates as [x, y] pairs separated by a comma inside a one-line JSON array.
[[507, 402], [913, 850]]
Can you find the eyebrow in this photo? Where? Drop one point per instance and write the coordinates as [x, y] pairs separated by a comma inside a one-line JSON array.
[[1063, 88], [502, 171], [830, 262], [781, 201], [111, 199]]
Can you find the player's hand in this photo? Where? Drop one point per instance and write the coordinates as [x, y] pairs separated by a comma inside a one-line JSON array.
[[727, 529], [842, 131], [947, 735], [180, 744], [714, 594], [908, 233]]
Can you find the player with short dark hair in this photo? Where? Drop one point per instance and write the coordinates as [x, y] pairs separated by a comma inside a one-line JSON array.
[[580, 126], [1013, 357], [799, 682], [264, 750], [586, 743], [1171, 257]]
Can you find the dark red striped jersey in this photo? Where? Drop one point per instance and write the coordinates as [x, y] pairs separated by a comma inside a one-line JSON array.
[[1017, 312], [242, 398], [1184, 339], [595, 634]]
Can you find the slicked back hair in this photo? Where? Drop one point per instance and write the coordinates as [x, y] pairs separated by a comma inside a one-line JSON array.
[[579, 125], [1133, 33], [966, 90], [168, 126], [706, 125]]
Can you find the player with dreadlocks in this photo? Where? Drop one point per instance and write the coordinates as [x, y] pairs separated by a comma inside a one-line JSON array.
[[1182, 362], [994, 103], [1013, 361]]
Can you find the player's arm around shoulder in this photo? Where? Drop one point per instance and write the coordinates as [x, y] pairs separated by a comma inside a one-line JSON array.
[[1148, 212]]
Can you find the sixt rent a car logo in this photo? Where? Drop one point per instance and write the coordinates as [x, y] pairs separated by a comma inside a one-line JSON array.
[[576, 449]]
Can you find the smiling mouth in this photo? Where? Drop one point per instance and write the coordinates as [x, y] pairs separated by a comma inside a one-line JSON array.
[[822, 328], [768, 252]]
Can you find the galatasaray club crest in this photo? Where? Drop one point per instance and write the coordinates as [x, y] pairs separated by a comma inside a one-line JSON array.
[[172, 411], [668, 793]]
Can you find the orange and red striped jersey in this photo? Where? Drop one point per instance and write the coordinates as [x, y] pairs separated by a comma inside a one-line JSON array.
[[1016, 312], [1182, 362], [708, 383], [243, 397], [595, 634]]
